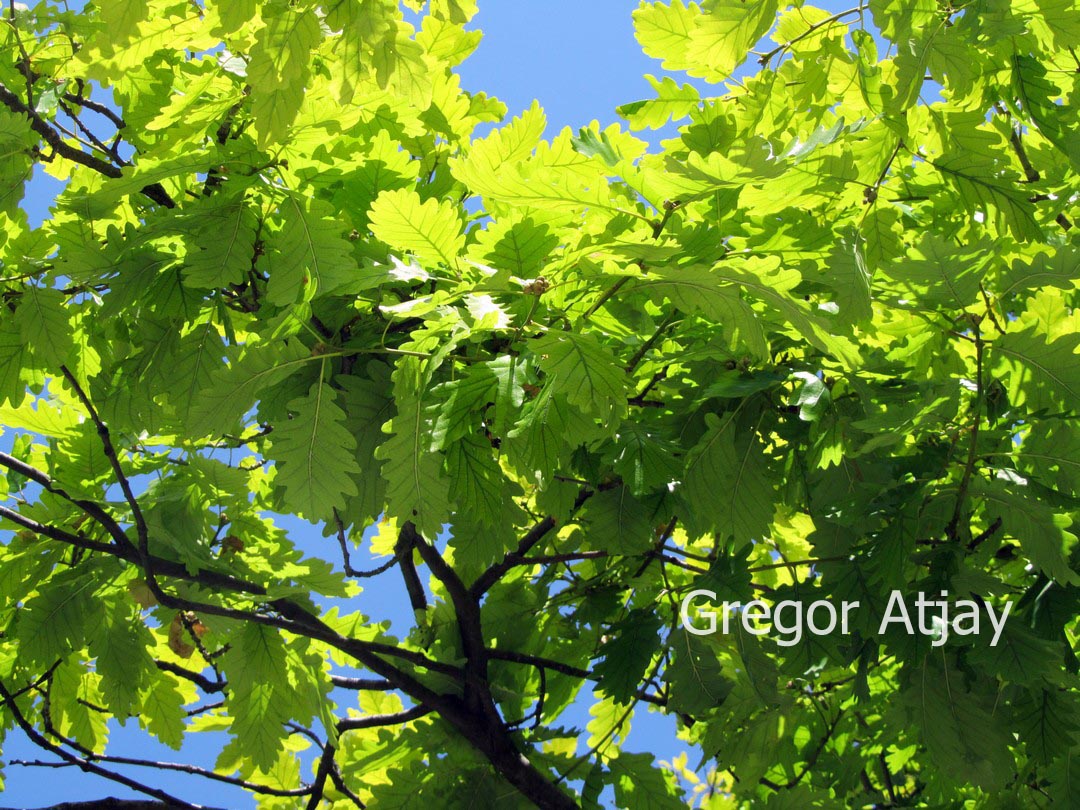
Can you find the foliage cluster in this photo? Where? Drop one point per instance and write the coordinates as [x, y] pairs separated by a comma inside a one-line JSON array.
[[820, 344]]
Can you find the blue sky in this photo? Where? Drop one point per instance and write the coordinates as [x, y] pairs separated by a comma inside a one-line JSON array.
[[580, 59]]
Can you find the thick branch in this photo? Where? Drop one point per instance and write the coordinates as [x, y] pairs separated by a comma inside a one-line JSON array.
[[467, 609]]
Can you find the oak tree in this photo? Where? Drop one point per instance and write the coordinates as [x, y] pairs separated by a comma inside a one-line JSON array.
[[819, 344]]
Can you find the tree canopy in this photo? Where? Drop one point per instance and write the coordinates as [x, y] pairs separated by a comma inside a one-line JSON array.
[[819, 344]]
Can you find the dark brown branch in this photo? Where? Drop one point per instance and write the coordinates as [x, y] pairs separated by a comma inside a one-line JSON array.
[[987, 533], [538, 661], [549, 559], [361, 684], [565, 669], [78, 541], [89, 135], [603, 299], [403, 552], [326, 764], [346, 558], [205, 684], [113, 458], [476, 719], [639, 400], [811, 760], [155, 191], [90, 508], [180, 767], [765, 58], [537, 533], [483, 725], [379, 720], [342, 788], [35, 683], [85, 765], [295, 619], [192, 770], [1015, 140], [467, 610], [94, 106], [655, 551]]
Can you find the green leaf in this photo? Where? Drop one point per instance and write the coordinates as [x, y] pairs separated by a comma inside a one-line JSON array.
[[223, 250], [491, 392], [958, 726], [729, 481], [723, 37], [940, 273], [591, 143], [191, 367], [847, 273], [548, 430], [367, 405], [401, 65], [619, 523], [455, 11], [1055, 269], [429, 229], [698, 290], [695, 676], [259, 703], [310, 257], [518, 247], [53, 623], [1064, 777], [14, 355], [645, 461], [639, 784], [581, 369], [813, 398], [1039, 373], [1048, 719], [664, 30], [122, 645], [278, 69], [1037, 99], [416, 488], [673, 102], [1043, 534], [632, 643], [44, 326], [316, 455], [983, 192], [163, 712], [234, 388], [477, 485]]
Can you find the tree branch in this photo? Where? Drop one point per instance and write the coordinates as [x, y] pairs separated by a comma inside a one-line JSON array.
[[89, 767], [379, 720], [154, 191], [495, 572]]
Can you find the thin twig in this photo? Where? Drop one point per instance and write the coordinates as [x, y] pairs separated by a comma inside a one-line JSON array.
[[41, 742], [646, 347], [768, 55]]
